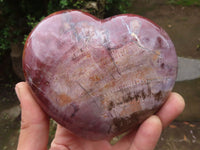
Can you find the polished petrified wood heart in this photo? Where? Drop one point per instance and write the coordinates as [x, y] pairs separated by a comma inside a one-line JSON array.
[[99, 78]]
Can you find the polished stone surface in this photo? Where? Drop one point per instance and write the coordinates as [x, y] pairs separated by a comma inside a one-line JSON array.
[[99, 78]]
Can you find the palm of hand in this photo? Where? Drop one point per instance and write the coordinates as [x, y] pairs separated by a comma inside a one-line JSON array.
[[35, 128], [65, 140]]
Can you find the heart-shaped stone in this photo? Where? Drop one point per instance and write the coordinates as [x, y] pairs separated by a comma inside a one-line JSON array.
[[99, 78]]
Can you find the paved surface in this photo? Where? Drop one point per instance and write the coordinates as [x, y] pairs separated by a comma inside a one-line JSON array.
[[192, 71], [180, 136]]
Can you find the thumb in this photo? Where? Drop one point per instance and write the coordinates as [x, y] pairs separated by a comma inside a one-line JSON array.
[[34, 122]]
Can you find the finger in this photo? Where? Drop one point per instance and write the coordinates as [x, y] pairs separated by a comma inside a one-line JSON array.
[[126, 141], [63, 139], [173, 107], [145, 138], [148, 134], [34, 122]]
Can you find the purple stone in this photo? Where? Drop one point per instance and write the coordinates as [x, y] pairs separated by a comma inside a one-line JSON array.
[[99, 78]]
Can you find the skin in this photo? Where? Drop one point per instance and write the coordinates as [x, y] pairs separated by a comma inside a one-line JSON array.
[[35, 127]]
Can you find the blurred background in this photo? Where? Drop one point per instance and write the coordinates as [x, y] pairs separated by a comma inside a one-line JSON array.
[[181, 20]]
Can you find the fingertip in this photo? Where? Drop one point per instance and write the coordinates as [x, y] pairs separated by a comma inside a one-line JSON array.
[[152, 125], [155, 120], [179, 100], [171, 109], [18, 88], [20, 85], [32, 113]]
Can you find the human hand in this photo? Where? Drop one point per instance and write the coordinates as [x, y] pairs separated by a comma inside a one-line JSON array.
[[35, 127]]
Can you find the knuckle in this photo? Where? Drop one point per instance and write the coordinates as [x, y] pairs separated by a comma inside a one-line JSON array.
[[24, 124], [57, 146]]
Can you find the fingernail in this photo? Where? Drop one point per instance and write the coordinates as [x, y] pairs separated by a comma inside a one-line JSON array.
[[17, 90], [181, 102]]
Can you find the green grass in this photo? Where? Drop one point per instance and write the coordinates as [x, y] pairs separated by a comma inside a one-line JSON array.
[[185, 2]]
